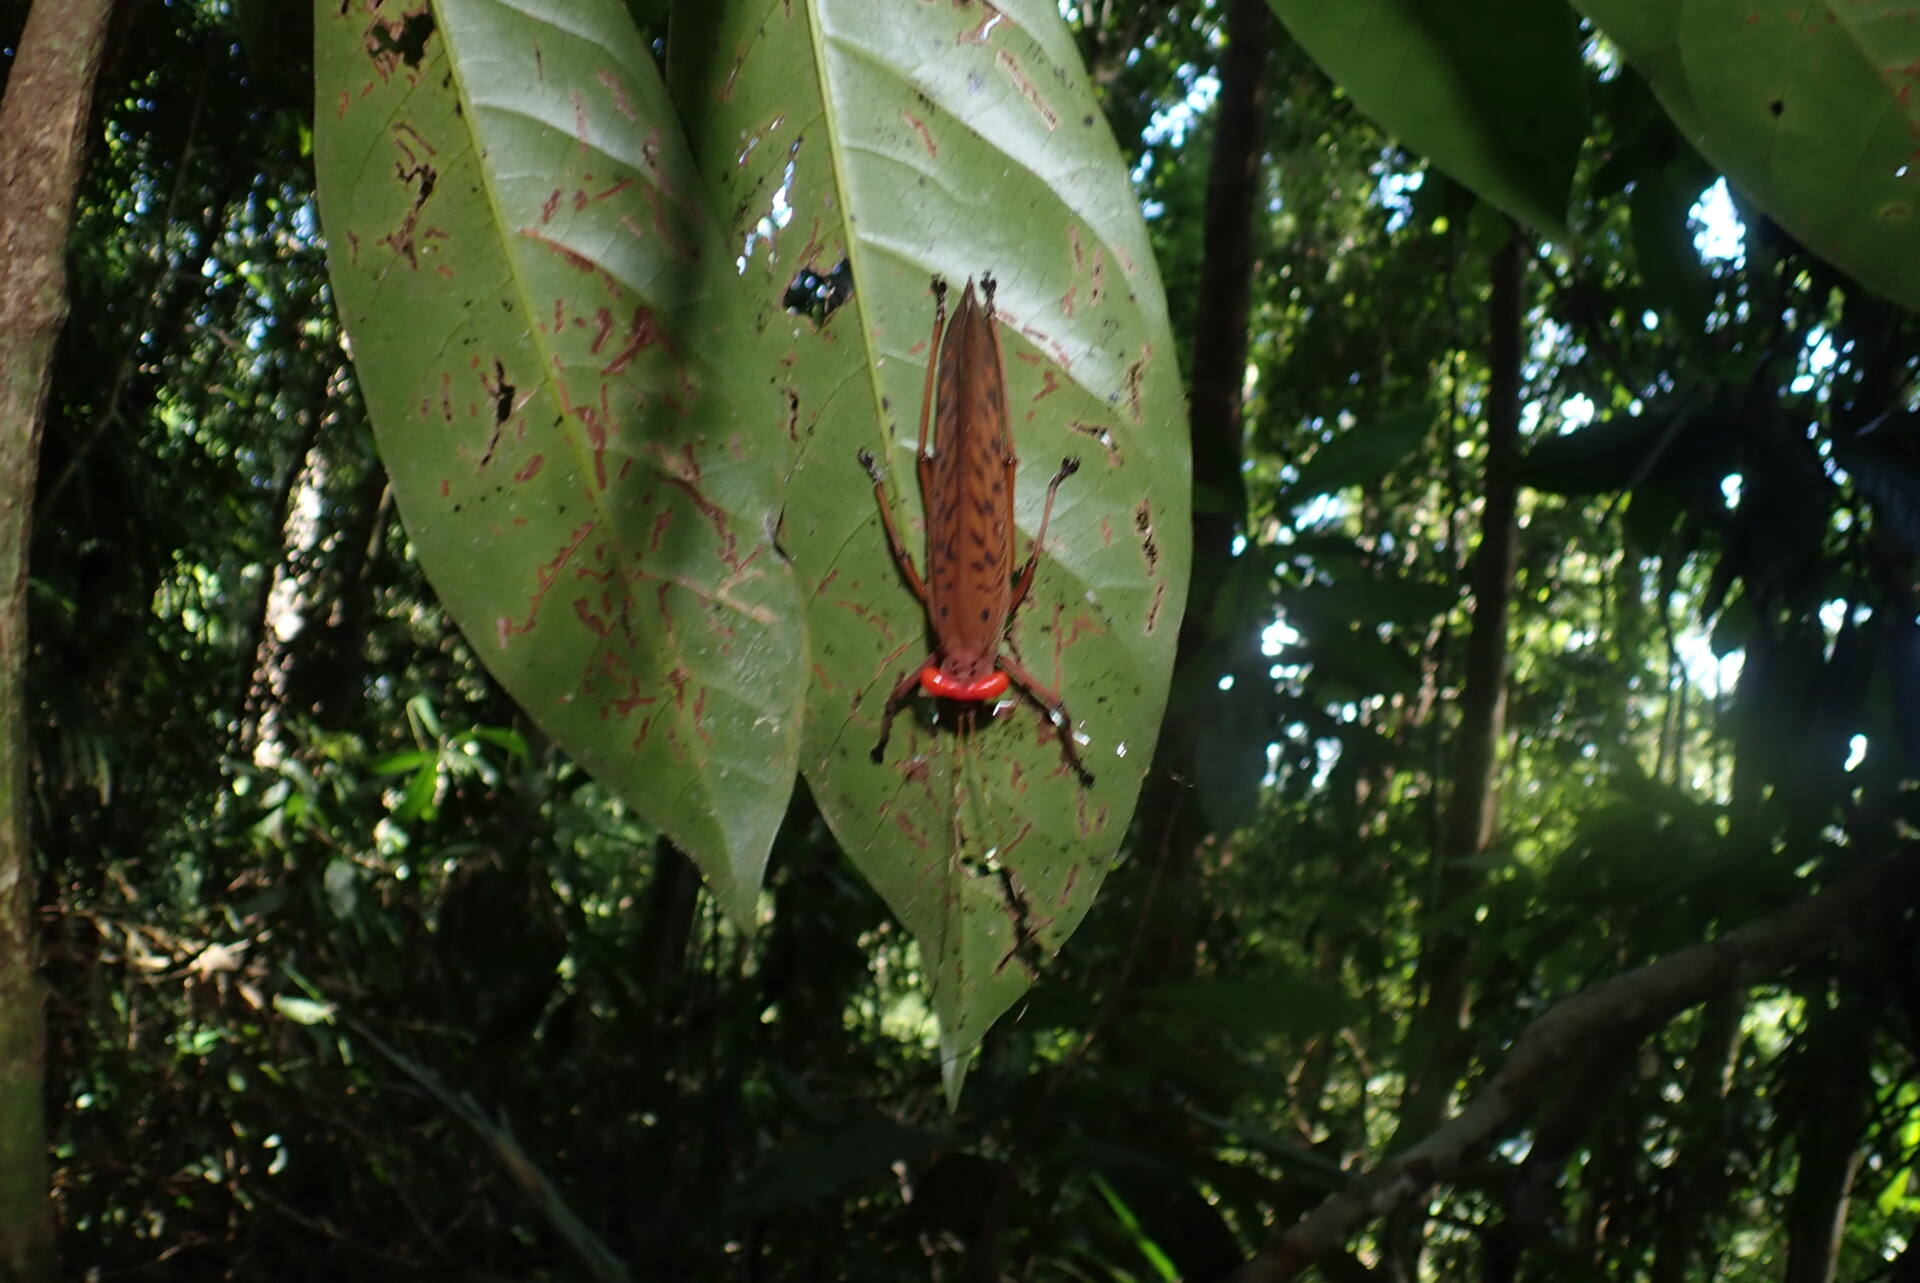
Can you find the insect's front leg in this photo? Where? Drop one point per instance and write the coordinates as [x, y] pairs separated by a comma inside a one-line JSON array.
[[922, 459], [1056, 711], [1023, 581], [895, 702], [901, 556]]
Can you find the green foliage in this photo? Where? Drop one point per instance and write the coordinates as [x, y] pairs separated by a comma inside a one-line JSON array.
[[1492, 91], [569, 448], [355, 969], [1804, 108], [636, 413]]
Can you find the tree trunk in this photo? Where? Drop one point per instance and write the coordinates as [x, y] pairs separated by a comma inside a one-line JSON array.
[[1173, 828], [1446, 955], [43, 124], [1837, 1079], [1697, 1187]]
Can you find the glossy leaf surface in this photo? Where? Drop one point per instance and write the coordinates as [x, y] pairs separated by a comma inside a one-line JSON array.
[[1490, 90], [518, 247], [1810, 109], [955, 141]]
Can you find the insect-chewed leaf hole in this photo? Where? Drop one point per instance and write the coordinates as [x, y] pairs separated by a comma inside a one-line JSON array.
[[813, 295]]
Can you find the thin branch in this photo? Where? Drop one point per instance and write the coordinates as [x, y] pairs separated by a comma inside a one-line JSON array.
[[1638, 1000]]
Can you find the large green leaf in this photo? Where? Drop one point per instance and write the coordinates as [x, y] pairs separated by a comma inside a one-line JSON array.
[[1808, 107], [1491, 91], [518, 240], [957, 140]]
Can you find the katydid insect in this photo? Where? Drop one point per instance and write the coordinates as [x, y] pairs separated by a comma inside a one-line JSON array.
[[966, 488]]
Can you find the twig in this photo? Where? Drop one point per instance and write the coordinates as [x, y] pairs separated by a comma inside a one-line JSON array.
[[1643, 998]]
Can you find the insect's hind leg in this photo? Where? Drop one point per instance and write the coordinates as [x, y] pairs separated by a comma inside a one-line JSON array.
[[1056, 711]]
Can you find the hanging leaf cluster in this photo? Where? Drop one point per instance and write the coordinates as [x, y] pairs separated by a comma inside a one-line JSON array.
[[624, 323]]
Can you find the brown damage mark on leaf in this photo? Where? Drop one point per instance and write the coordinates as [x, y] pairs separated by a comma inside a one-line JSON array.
[[989, 19], [414, 170], [678, 245], [1040, 339], [582, 134], [903, 820], [678, 676], [810, 252], [641, 334], [661, 521], [1066, 888], [602, 624], [860, 611], [700, 718], [793, 414], [399, 41], [1081, 623], [1106, 531], [1143, 526], [1028, 90], [617, 90], [531, 468], [1097, 282], [1049, 384], [918, 770], [1136, 375], [1105, 437], [820, 676], [733, 73], [628, 701], [681, 470], [1153, 610], [1087, 825], [746, 152], [1066, 300], [594, 419], [645, 732], [1017, 779], [1026, 830], [545, 576], [919, 127], [548, 208], [583, 198], [665, 200], [573, 258], [716, 597], [445, 402]]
